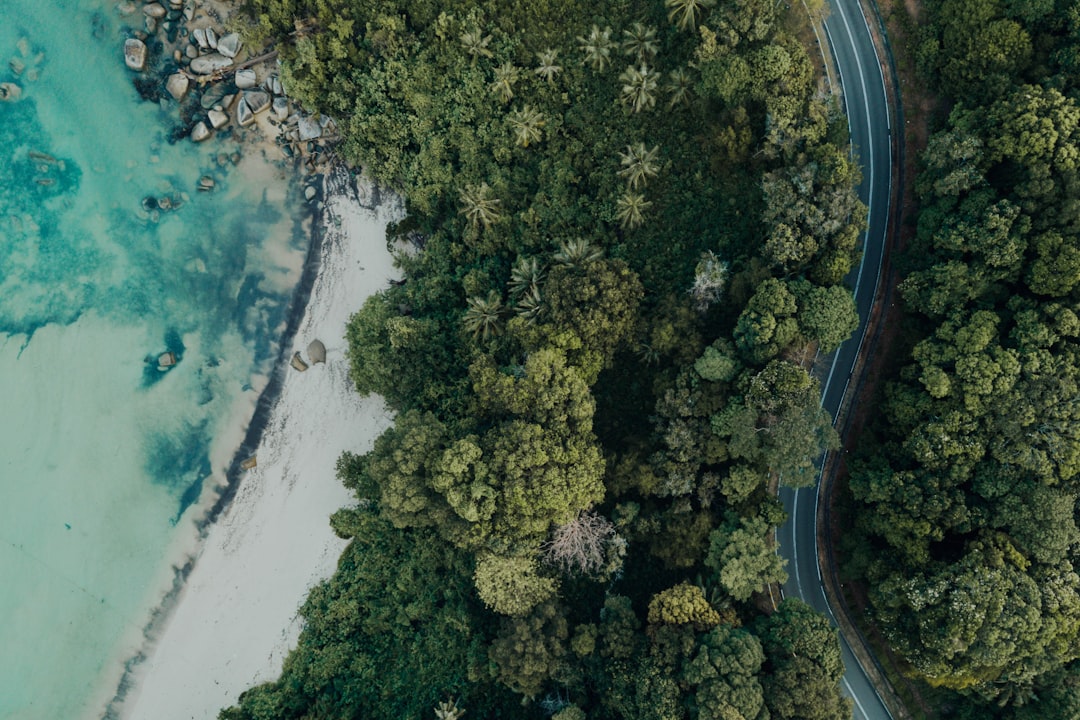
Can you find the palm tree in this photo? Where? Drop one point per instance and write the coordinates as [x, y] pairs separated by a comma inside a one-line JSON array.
[[527, 274], [640, 41], [478, 206], [684, 13], [577, 252], [679, 86], [639, 87], [483, 316], [639, 164], [476, 44], [547, 68], [629, 209], [597, 47], [505, 76], [529, 305], [527, 124], [448, 710]]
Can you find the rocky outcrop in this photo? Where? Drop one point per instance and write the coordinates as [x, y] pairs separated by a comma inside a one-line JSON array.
[[135, 54]]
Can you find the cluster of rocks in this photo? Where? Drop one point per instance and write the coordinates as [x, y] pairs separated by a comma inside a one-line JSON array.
[[24, 66]]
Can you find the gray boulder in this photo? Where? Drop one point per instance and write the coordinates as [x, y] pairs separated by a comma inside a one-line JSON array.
[[217, 118], [229, 45], [211, 38], [200, 132], [245, 79], [316, 352], [309, 129], [135, 54], [200, 38], [155, 10], [177, 85], [209, 64], [280, 109], [244, 116], [257, 100]]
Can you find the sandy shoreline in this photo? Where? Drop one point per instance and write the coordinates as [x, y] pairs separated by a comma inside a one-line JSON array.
[[234, 618]]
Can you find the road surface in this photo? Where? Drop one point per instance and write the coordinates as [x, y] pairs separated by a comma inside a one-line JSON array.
[[869, 121]]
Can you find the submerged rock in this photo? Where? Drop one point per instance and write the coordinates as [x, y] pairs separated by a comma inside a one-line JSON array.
[[209, 64], [177, 85], [10, 92], [200, 132], [135, 54], [245, 79]]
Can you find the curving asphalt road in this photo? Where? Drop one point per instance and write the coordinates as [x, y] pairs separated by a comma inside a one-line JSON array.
[[870, 123]]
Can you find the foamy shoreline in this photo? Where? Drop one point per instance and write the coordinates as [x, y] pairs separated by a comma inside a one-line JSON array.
[[231, 623]]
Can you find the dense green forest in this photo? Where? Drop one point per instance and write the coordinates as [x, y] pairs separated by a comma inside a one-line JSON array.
[[966, 491], [627, 226]]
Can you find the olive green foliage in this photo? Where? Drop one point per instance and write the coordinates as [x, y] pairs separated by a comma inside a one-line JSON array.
[[626, 227], [967, 489]]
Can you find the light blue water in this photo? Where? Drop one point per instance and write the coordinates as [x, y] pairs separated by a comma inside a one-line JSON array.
[[102, 455]]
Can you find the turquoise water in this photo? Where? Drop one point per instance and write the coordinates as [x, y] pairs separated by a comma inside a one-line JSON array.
[[101, 454]]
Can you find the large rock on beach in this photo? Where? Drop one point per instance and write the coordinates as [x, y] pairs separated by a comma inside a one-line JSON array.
[[135, 54], [316, 352], [155, 10], [309, 128], [210, 64], [211, 38], [200, 132], [246, 79], [229, 45], [257, 100], [218, 119], [199, 36], [280, 109], [244, 116], [177, 85]]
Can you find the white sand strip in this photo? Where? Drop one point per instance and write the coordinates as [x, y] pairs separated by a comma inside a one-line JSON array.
[[236, 617]]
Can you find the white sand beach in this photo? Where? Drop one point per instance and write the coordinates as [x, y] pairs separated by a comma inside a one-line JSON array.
[[236, 617]]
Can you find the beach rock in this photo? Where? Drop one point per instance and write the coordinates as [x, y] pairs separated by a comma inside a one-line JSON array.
[[155, 10], [135, 54], [245, 79], [280, 109], [316, 352], [309, 194], [217, 118], [298, 362], [309, 128], [177, 85], [211, 38], [229, 45], [10, 92], [257, 100], [244, 116], [212, 96], [191, 52], [273, 84], [209, 64], [200, 132], [226, 102], [199, 35]]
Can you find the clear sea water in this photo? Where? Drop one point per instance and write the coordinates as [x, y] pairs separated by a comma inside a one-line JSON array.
[[103, 457]]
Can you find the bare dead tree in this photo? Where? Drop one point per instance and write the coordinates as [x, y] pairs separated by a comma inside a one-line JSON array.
[[578, 547]]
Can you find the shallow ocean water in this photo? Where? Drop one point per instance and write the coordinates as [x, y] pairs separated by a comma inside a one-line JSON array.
[[103, 457]]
